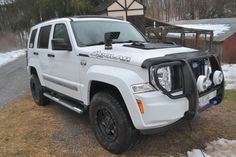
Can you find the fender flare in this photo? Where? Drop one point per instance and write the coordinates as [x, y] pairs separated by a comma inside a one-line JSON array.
[[122, 79], [29, 68]]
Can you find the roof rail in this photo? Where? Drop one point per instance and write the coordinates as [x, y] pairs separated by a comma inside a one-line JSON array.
[[94, 16]]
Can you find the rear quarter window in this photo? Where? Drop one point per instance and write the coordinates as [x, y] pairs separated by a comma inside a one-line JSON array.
[[32, 38], [44, 34]]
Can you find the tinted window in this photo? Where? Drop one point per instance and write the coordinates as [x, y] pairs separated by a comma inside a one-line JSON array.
[[44, 37], [60, 31], [32, 38]]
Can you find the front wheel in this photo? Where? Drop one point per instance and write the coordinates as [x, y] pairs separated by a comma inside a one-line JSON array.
[[37, 91], [110, 123]]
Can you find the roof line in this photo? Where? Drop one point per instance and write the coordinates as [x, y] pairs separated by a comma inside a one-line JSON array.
[[81, 16], [94, 16]]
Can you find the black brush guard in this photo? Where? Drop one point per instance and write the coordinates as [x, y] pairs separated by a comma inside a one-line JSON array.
[[189, 80]]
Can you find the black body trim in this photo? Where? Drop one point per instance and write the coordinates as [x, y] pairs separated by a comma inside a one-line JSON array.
[[58, 82], [162, 129], [174, 57], [83, 55]]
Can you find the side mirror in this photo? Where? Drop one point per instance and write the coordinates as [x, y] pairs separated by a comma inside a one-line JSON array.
[[61, 44], [108, 37]]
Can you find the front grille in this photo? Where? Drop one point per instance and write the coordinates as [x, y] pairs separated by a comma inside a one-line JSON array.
[[198, 67], [176, 78]]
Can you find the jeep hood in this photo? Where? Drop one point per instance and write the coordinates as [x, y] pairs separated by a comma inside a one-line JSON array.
[[131, 55]]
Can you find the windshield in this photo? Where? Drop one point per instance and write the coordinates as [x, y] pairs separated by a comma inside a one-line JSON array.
[[90, 33]]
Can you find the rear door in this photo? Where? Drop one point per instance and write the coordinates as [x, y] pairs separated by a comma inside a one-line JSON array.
[[43, 49], [62, 72], [32, 55]]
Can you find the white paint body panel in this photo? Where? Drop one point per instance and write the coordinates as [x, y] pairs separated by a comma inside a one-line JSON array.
[[66, 68]]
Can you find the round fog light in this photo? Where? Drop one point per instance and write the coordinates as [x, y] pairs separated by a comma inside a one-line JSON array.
[[218, 77], [202, 83]]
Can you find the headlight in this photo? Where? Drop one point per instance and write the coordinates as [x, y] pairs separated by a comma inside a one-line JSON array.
[[142, 88], [218, 77], [163, 75]]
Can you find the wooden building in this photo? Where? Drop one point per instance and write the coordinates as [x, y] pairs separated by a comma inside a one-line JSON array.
[[129, 10], [224, 40]]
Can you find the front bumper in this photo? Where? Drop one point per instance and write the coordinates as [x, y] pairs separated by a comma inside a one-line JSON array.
[[160, 110], [163, 110], [163, 113]]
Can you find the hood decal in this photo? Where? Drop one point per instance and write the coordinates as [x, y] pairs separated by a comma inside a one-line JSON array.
[[100, 54]]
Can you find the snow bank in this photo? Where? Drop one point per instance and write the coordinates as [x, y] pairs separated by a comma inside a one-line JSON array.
[[220, 148], [10, 56], [230, 75]]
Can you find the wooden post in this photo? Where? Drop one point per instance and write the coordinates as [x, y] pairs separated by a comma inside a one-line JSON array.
[[163, 34], [197, 38], [182, 38], [211, 40]]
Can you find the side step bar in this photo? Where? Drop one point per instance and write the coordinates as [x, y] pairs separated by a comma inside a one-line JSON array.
[[64, 103]]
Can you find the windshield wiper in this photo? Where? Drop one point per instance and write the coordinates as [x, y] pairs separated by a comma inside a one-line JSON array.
[[98, 43]]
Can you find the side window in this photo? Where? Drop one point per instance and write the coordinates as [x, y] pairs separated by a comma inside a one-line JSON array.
[[60, 32], [44, 35], [32, 38]]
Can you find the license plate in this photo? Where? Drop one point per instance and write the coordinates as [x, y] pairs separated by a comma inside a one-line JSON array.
[[204, 100]]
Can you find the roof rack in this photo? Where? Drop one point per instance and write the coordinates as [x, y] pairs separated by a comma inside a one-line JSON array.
[[94, 16]]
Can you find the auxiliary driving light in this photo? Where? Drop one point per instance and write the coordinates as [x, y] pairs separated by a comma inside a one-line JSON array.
[[218, 77], [203, 83]]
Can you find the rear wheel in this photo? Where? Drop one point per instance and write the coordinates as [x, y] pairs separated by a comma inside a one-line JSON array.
[[111, 124], [37, 91]]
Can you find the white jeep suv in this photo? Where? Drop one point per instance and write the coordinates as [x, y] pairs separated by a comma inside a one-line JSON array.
[[129, 86]]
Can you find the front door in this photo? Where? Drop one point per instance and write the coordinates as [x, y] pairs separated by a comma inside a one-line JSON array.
[[63, 65]]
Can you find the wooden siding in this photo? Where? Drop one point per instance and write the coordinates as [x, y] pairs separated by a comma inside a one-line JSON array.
[[229, 50]]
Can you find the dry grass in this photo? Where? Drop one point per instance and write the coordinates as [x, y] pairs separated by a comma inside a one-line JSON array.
[[30, 130]]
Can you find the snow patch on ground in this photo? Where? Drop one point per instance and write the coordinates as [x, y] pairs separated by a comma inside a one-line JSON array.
[[230, 76], [8, 57], [219, 148]]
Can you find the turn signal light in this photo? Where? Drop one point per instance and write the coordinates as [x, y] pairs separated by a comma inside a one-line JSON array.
[[140, 105]]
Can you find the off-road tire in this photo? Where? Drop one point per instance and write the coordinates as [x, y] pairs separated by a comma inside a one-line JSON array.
[[126, 135], [37, 91]]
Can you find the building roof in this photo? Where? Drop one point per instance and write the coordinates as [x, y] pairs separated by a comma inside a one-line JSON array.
[[102, 7], [223, 28]]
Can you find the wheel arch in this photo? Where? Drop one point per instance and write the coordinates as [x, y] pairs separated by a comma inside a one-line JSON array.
[[33, 71], [98, 86], [119, 79]]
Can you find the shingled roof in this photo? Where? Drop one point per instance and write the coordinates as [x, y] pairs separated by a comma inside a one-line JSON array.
[[223, 28], [101, 8]]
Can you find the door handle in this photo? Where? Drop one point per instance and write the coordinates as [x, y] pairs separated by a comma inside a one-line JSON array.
[[51, 55], [36, 53]]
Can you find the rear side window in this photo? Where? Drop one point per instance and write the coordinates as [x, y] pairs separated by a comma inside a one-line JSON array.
[[60, 31], [44, 35], [32, 38]]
